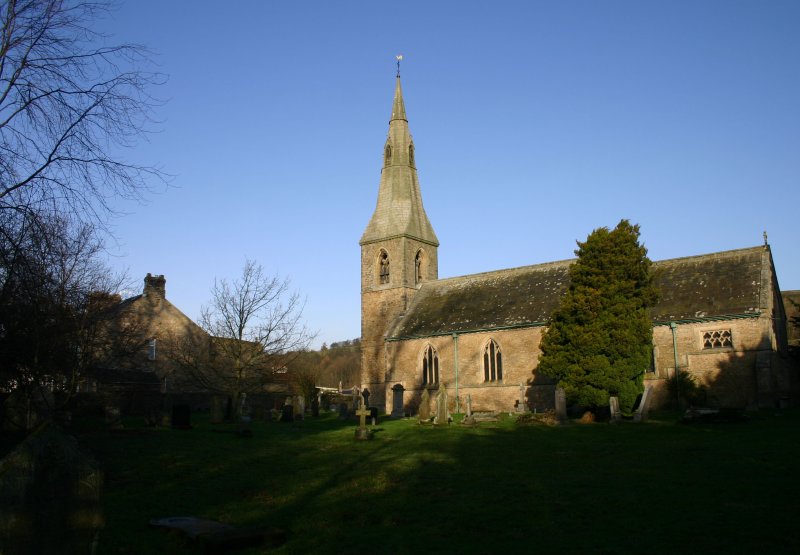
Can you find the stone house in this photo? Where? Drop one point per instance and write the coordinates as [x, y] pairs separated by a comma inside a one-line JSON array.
[[721, 316], [152, 347]]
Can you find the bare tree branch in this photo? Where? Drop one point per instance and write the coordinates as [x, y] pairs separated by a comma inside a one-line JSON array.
[[68, 106]]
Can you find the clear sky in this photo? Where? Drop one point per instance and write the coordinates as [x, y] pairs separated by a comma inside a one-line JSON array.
[[534, 123]]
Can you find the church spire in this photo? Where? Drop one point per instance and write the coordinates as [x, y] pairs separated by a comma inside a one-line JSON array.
[[399, 211], [398, 106]]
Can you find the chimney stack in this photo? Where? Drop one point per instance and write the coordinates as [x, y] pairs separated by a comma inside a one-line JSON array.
[[155, 286]]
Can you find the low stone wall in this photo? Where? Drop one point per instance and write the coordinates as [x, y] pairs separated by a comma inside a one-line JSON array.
[[49, 496]]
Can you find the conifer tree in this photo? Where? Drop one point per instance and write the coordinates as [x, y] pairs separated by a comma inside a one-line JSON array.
[[599, 340]]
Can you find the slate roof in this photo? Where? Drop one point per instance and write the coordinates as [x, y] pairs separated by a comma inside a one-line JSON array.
[[707, 286]]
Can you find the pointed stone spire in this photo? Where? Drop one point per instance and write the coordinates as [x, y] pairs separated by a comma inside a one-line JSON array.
[[398, 106], [399, 211]]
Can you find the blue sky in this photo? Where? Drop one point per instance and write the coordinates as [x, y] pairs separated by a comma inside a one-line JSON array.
[[534, 123]]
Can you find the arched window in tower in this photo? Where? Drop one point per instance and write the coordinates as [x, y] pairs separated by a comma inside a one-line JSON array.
[[492, 362], [388, 155], [384, 267], [430, 366], [411, 155], [419, 270]]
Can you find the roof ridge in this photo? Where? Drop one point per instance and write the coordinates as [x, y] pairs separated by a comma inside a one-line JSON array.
[[717, 254]]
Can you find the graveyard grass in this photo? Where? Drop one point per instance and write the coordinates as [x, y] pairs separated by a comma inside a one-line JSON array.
[[656, 487]]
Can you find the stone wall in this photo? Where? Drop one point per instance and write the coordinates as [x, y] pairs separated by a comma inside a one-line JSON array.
[[520, 355], [746, 374]]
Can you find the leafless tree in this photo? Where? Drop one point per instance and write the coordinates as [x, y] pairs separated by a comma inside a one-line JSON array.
[[69, 105], [255, 327]]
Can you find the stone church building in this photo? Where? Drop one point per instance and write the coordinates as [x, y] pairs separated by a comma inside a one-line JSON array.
[[721, 316]]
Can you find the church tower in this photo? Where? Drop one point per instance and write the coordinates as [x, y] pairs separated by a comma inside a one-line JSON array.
[[398, 249]]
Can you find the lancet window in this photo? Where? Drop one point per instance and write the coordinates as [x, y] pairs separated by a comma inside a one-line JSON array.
[[492, 362], [430, 366]]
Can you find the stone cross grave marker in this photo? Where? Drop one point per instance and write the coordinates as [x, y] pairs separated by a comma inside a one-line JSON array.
[[425, 407], [361, 431], [521, 402], [469, 405], [561, 405]]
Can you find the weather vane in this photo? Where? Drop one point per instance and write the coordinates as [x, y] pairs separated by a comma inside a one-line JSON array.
[[765, 237], [399, 59]]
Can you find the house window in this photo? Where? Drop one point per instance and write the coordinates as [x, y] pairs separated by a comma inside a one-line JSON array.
[[384, 267], [151, 349], [430, 366], [717, 339], [492, 363]]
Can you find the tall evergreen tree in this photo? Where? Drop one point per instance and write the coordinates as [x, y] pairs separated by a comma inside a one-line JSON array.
[[599, 340]]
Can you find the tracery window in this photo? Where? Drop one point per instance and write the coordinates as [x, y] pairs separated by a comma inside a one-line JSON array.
[[492, 362], [388, 154], [384, 267], [411, 155], [430, 366], [716, 339]]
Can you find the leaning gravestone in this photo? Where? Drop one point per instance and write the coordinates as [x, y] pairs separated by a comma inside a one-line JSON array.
[[442, 414], [425, 407], [644, 406], [561, 405], [613, 405]]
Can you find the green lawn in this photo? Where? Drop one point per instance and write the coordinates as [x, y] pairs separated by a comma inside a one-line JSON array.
[[656, 487]]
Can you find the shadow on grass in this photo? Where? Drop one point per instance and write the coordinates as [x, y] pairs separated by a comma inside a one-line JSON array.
[[594, 488]]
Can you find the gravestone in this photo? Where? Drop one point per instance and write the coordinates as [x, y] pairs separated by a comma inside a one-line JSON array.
[[287, 413], [561, 405], [373, 415], [398, 410], [365, 395], [217, 413], [361, 431], [442, 414], [521, 400], [613, 405], [315, 406], [181, 417], [644, 405], [343, 411], [425, 407], [469, 405], [299, 404]]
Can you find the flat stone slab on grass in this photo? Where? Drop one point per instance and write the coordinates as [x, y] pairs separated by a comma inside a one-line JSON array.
[[215, 535]]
